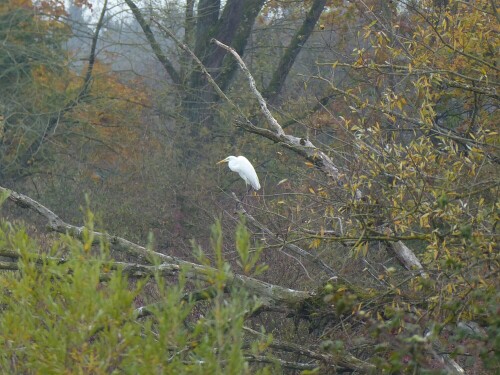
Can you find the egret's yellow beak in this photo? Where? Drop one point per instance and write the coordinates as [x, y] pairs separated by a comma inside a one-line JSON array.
[[222, 161]]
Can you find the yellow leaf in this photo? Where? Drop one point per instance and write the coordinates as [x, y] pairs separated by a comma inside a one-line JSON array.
[[315, 243], [424, 220]]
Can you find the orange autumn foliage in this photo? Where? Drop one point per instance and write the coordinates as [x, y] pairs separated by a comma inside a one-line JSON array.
[[113, 116]]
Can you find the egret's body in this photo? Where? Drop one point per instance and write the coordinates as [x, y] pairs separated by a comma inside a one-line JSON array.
[[244, 168]]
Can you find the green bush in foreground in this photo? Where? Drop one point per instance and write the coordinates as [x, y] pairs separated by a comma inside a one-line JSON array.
[[61, 317]]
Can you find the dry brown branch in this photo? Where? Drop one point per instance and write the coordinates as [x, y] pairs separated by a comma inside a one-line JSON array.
[[92, 56]]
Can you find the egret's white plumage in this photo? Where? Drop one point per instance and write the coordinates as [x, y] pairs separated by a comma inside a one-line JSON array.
[[244, 168]]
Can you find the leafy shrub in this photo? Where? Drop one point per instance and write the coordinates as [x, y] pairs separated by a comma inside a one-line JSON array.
[[78, 314]]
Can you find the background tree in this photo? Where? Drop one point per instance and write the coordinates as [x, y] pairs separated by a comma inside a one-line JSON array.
[[30, 57]]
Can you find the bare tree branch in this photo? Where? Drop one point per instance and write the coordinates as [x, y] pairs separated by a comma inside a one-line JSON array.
[[283, 363], [345, 359], [407, 257], [272, 295], [8, 266], [88, 75], [301, 145], [291, 247]]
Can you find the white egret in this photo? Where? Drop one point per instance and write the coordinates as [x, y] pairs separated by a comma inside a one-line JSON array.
[[244, 168]]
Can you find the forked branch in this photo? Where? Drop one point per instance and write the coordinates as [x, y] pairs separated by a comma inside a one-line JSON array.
[[303, 146]]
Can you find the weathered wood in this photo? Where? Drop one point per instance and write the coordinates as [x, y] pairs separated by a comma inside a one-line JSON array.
[[302, 145], [270, 295], [407, 257]]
